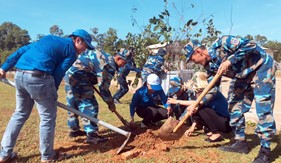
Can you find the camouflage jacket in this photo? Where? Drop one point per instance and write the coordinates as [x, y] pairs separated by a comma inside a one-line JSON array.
[[245, 56], [130, 66], [154, 64], [100, 65]]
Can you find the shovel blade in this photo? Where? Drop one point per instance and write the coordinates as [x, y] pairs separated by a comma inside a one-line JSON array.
[[165, 132]]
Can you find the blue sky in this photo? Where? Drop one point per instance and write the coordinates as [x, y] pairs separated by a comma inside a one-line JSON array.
[[236, 17]]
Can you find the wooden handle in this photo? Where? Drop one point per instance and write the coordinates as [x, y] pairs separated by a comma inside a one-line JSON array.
[[115, 112], [196, 103]]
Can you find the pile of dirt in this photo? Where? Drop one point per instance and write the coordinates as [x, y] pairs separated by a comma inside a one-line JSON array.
[[144, 145]]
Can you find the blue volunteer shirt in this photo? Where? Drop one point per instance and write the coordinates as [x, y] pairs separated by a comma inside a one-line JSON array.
[[141, 98], [218, 103], [51, 54]]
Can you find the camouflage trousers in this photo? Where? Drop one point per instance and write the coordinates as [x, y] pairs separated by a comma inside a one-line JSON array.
[[123, 89], [80, 96], [260, 87]]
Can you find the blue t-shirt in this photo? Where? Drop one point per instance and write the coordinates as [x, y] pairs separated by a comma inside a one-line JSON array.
[[141, 98], [51, 54], [219, 104]]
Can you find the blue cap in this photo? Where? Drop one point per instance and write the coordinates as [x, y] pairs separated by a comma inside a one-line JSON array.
[[173, 90], [85, 36], [123, 53], [190, 48]]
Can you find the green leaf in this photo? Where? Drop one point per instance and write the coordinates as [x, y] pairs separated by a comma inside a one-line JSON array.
[[189, 22], [194, 23]]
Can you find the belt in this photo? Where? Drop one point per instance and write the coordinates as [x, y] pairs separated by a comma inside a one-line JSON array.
[[35, 73]]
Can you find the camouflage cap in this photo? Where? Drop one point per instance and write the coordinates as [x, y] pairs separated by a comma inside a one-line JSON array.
[[190, 48], [123, 53], [176, 84]]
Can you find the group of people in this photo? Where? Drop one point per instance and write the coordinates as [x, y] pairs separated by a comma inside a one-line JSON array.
[[41, 66]]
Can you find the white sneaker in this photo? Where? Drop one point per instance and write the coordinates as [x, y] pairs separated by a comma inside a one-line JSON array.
[[143, 125]]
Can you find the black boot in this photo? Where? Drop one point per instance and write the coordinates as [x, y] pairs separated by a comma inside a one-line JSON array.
[[240, 146], [263, 156], [73, 134]]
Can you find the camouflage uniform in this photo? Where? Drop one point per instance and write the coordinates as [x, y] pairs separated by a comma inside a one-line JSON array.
[[154, 64], [121, 77], [253, 77], [89, 69]]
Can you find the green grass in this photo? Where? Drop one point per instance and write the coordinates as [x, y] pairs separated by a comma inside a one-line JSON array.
[[192, 149]]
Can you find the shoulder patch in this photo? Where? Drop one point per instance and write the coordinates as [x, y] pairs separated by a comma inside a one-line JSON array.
[[234, 41]]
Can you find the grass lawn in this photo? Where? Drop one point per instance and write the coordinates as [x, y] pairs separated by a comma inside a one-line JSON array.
[[192, 149]]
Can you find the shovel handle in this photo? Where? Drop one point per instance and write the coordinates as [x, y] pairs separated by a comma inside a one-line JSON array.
[[121, 118], [196, 103], [115, 112]]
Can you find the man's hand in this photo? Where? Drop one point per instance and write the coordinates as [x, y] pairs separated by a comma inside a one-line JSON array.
[[190, 130], [112, 107], [170, 110], [132, 124], [172, 101], [2, 73], [224, 67], [192, 109]]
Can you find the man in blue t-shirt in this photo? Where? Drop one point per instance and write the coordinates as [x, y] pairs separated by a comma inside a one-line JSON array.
[[144, 102], [40, 67]]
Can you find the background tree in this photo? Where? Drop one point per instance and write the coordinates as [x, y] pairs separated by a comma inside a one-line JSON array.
[[275, 46], [39, 36], [11, 38], [55, 30], [260, 40], [98, 38], [110, 41], [250, 37]]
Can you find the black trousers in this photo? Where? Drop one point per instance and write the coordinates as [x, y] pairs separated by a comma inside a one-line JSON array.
[[151, 114], [214, 122]]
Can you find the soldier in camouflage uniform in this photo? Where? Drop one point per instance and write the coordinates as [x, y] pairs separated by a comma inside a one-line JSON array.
[[154, 65], [122, 74], [94, 67], [253, 78]]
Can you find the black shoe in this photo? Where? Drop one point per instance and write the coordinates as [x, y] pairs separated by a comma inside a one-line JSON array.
[[240, 146], [219, 139], [263, 156], [9, 158], [73, 134], [94, 138]]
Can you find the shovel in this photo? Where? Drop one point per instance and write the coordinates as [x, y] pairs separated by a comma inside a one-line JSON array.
[[109, 126], [125, 123], [168, 130]]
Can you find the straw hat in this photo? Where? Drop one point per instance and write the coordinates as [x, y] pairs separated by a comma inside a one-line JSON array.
[[198, 82]]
